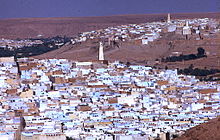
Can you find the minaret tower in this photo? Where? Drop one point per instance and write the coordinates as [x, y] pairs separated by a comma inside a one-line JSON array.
[[101, 53], [168, 18], [187, 23]]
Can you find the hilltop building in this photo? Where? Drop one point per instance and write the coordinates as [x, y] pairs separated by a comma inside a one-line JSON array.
[[186, 30]]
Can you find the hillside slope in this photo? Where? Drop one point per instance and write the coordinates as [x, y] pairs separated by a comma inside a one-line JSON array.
[[206, 131], [145, 54]]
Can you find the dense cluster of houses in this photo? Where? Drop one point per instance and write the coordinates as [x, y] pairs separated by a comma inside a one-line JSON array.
[[148, 32], [59, 98]]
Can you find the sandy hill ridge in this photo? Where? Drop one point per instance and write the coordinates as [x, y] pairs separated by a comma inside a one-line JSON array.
[[206, 131]]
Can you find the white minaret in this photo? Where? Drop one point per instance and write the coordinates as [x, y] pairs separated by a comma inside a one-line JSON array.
[[187, 23], [168, 18], [186, 30], [101, 53]]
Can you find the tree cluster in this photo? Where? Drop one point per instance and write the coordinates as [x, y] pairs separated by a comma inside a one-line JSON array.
[[48, 44], [200, 54], [198, 72]]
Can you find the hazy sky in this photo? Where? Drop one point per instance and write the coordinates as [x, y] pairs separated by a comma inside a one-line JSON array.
[[73, 8]]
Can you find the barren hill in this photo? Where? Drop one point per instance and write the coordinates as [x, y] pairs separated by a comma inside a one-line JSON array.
[[206, 131], [47, 27]]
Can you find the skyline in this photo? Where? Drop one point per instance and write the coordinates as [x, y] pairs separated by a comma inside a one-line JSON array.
[[85, 8]]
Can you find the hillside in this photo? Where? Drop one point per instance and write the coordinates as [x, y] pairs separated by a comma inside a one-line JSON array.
[[206, 131], [145, 54], [133, 52]]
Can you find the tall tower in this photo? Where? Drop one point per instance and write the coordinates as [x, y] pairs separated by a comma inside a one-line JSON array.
[[186, 30], [101, 53], [168, 18], [187, 23]]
